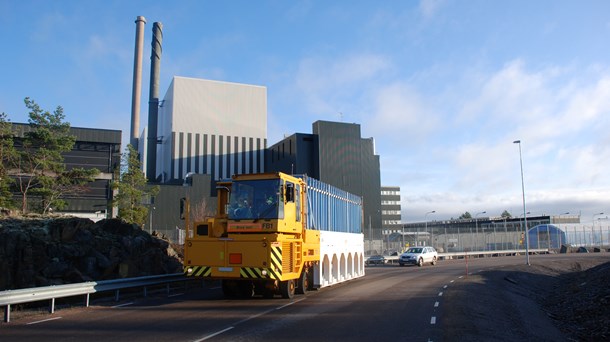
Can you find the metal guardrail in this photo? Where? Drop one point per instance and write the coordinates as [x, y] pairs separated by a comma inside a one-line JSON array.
[[475, 254], [21, 296]]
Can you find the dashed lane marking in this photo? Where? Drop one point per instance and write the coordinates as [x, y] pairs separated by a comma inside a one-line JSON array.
[[44, 320]]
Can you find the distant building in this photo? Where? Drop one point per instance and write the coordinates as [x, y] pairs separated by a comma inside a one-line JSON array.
[[94, 148], [336, 154], [391, 219]]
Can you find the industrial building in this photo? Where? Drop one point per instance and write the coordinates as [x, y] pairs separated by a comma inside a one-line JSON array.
[[218, 129], [335, 153], [391, 218], [94, 148], [209, 127]]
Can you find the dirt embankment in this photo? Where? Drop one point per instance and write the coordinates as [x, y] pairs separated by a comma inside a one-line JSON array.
[[54, 251], [550, 300]]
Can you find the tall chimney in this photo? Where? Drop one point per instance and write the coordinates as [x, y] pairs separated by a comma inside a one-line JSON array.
[[153, 102], [137, 83]]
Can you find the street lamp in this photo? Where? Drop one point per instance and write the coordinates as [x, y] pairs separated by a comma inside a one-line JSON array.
[[593, 223], [593, 218], [476, 228], [150, 227], [527, 239], [426, 221]]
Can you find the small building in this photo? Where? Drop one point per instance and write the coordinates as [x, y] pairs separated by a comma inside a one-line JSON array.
[[94, 148]]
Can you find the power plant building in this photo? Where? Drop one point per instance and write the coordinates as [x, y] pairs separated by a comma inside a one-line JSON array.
[[336, 154], [210, 127]]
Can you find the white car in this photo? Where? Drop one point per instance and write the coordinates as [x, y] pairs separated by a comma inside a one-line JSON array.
[[418, 256]]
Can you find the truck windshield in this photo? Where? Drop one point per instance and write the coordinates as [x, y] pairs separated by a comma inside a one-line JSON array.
[[255, 199]]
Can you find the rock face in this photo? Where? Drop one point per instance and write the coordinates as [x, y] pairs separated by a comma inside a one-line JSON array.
[[42, 252]]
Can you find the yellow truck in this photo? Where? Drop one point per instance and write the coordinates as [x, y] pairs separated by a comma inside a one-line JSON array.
[[275, 233]]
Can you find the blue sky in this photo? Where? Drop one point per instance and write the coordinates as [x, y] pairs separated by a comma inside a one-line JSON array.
[[443, 86]]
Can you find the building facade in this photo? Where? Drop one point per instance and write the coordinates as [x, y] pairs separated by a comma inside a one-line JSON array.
[[391, 219], [94, 148], [210, 127], [336, 154]]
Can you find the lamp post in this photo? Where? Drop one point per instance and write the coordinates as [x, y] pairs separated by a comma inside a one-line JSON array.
[[426, 221], [593, 228], [150, 227], [527, 239], [593, 219], [476, 228]]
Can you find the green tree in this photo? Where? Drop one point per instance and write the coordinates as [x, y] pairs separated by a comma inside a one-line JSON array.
[[7, 161], [132, 189], [69, 182], [40, 161], [465, 216], [506, 214]]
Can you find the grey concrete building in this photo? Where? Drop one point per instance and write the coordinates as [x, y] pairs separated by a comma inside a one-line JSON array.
[[94, 148], [335, 153], [209, 127], [209, 130]]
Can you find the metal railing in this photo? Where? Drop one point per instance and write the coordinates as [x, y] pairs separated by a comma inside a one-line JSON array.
[[21, 296], [477, 254]]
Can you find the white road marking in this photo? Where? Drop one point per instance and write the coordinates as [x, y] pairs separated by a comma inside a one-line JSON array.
[[247, 319], [445, 286], [436, 304], [433, 320], [121, 305], [44, 320], [177, 294], [440, 294], [214, 334]]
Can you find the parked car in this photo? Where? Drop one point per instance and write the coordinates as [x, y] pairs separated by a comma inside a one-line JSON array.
[[418, 256], [375, 260]]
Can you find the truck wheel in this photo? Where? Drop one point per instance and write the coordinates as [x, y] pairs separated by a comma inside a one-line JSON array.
[[303, 283], [245, 289], [287, 289], [229, 289]]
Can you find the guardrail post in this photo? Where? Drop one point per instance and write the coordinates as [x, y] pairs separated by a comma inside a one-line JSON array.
[[7, 313], [116, 295], [167, 289], [52, 308], [145, 291], [87, 300]]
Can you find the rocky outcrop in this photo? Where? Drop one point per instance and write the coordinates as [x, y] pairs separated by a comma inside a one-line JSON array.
[[43, 251]]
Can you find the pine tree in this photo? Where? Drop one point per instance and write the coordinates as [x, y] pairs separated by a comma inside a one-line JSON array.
[[7, 161], [132, 189], [40, 161]]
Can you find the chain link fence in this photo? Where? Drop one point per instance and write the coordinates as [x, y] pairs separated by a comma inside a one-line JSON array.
[[489, 237]]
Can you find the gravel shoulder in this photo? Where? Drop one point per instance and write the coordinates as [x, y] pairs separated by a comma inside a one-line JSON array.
[[549, 300]]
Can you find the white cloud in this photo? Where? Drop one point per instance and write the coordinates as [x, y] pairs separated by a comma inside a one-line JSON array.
[[401, 114], [553, 111], [326, 85], [429, 8]]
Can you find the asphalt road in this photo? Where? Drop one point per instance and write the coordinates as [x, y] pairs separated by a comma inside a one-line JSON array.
[[390, 303]]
